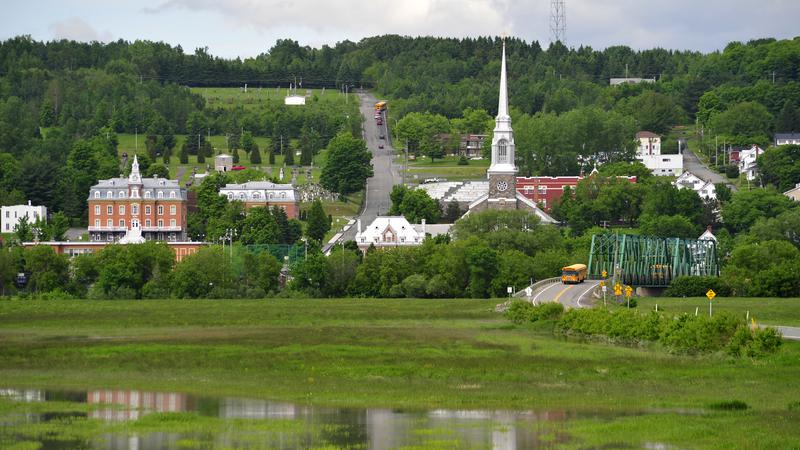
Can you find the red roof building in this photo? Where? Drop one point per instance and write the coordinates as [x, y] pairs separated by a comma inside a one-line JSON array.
[[546, 191]]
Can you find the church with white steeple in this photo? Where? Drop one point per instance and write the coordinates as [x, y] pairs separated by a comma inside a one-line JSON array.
[[502, 174]]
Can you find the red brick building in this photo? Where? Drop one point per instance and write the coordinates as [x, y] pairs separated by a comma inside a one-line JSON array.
[[547, 190], [156, 206]]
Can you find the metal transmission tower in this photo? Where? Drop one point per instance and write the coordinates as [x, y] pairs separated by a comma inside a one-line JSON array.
[[558, 21]]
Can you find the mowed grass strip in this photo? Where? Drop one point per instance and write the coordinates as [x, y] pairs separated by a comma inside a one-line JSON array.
[[363, 352]]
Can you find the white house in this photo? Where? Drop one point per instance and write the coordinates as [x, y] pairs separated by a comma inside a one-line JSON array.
[[649, 153], [13, 214], [390, 231], [747, 162], [688, 180], [787, 139], [794, 193]]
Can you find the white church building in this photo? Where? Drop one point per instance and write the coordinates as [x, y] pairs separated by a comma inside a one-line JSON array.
[[499, 191]]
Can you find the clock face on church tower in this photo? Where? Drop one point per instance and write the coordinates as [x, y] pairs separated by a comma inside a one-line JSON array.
[[502, 186]]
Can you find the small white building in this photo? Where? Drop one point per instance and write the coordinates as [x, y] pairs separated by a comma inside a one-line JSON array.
[[223, 162], [392, 231], [747, 162], [787, 139], [294, 100], [705, 189], [13, 214], [649, 153]]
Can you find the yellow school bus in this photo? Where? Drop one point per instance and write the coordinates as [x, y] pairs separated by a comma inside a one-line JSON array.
[[575, 273]]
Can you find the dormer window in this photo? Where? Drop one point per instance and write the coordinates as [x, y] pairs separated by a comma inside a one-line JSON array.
[[148, 194], [230, 195], [121, 194], [109, 194], [172, 194], [160, 194], [96, 194]]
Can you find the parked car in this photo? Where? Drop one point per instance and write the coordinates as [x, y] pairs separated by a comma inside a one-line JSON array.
[[383, 137], [238, 168], [380, 145]]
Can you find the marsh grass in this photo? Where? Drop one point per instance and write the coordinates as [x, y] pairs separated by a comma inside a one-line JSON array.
[[405, 353]]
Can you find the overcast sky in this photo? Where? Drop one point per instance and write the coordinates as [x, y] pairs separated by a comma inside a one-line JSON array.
[[245, 28]]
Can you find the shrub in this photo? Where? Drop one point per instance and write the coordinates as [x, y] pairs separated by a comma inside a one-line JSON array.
[[729, 405], [695, 334], [794, 406], [732, 171], [693, 286], [437, 287], [414, 286], [765, 341], [463, 161], [519, 311], [522, 312]]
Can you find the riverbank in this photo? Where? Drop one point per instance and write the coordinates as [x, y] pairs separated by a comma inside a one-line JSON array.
[[414, 354]]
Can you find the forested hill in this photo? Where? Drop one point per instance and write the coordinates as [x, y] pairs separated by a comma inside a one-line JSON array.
[[443, 75], [561, 101]]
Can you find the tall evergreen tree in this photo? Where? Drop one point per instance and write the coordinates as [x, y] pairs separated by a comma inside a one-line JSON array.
[[255, 154], [318, 222]]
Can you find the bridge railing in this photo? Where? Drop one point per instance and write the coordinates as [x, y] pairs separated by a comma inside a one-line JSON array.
[[535, 286]]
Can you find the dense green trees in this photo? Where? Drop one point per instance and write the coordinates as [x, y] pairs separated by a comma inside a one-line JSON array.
[[348, 165], [318, 222], [780, 167], [414, 204]]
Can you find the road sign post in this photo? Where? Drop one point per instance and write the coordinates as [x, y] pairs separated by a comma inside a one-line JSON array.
[[710, 294], [628, 292], [605, 288]]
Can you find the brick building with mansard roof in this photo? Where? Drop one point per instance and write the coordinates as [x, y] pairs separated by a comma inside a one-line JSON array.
[[156, 206]]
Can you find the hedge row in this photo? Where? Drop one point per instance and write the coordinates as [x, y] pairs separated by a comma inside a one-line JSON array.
[[684, 334]]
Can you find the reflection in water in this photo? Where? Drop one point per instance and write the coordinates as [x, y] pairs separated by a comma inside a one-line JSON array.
[[338, 427]]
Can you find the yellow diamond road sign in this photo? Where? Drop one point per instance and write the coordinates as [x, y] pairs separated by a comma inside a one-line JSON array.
[[628, 291], [711, 294], [605, 274]]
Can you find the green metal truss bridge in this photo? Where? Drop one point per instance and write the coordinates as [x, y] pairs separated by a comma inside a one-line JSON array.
[[650, 261]]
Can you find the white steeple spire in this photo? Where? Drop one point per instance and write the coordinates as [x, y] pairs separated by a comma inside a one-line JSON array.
[[502, 104], [503, 135], [135, 177]]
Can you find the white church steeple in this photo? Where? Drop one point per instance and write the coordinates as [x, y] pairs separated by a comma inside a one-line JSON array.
[[503, 135], [135, 177]]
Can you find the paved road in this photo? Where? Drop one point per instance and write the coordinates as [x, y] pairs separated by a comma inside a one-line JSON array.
[[693, 164], [792, 333], [385, 175], [569, 295]]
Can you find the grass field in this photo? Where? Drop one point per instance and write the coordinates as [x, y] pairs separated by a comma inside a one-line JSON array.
[[128, 144], [446, 168], [227, 97], [399, 354], [769, 311]]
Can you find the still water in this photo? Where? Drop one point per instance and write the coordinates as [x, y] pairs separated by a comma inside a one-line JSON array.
[[251, 423]]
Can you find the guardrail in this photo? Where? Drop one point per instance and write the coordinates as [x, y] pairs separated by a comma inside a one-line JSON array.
[[535, 286]]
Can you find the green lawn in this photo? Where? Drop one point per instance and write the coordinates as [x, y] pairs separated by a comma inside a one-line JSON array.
[[230, 97], [455, 354], [769, 311], [447, 168]]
